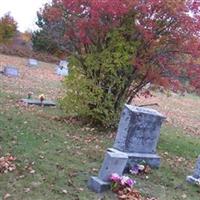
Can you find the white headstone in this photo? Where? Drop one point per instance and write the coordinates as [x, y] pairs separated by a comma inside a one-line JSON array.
[[64, 63], [32, 63]]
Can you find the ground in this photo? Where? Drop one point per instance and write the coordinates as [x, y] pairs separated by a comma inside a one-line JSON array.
[[54, 159]]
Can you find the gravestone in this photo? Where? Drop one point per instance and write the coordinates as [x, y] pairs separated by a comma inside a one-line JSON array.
[[195, 178], [63, 63], [113, 163], [62, 68], [138, 134], [11, 71], [38, 102], [32, 62], [137, 137]]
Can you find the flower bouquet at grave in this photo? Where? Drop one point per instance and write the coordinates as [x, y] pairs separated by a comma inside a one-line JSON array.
[[30, 95], [123, 187], [41, 98], [119, 183], [141, 168]]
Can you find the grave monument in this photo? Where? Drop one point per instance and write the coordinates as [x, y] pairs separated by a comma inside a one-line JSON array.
[[195, 178]]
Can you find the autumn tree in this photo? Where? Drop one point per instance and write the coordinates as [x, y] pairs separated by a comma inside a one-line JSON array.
[[46, 38], [119, 46], [8, 28]]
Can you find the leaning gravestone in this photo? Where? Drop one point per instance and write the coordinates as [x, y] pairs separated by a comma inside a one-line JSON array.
[[195, 178], [32, 62], [113, 163], [138, 134], [11, 71], [62, 68]]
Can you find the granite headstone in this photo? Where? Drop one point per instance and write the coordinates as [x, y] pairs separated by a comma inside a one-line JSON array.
[[138, 134]]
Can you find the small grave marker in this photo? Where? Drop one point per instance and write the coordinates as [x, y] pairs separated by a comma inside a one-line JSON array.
[[32, 62], [113, 163], [62, 68], [11, 71]]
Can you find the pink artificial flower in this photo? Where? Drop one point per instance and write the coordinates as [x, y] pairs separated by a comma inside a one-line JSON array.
[[115, 177], [125, 180]]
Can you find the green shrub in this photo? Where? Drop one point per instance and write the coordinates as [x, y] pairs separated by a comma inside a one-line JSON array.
[[96, 88]]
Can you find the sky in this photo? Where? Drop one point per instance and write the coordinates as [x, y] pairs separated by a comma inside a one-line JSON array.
[[23, 11]]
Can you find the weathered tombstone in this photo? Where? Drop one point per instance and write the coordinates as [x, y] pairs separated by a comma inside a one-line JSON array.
[[195, 178], [138, 134], [32, 62], [62, 68], [11, 71], [113, 163], [38, 102], [62, 71]]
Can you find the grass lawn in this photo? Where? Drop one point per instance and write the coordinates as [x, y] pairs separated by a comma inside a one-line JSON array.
[[55, 159]]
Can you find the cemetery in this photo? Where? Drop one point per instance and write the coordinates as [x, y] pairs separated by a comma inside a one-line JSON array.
[[77, 161], [101, 102]]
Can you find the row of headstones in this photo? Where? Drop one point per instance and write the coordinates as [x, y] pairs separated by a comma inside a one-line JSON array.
[[136, 141], [12, 71]]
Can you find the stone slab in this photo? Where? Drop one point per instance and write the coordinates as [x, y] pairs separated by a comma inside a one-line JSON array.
[[38, 102], [32, 62], [138, 130], [153, 160], [97, 185], [10, 71], [114, 162]]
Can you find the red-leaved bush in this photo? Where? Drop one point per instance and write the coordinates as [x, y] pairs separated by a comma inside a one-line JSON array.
[[119, 46], [167, 30]]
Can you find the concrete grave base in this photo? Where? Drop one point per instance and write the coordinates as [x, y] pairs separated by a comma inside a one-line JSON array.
[[97, 185], [193, 180], [153, 160], [38, 102]]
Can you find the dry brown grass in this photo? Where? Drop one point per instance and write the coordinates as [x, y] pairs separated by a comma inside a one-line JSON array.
[[181, 111], [39, 80]]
